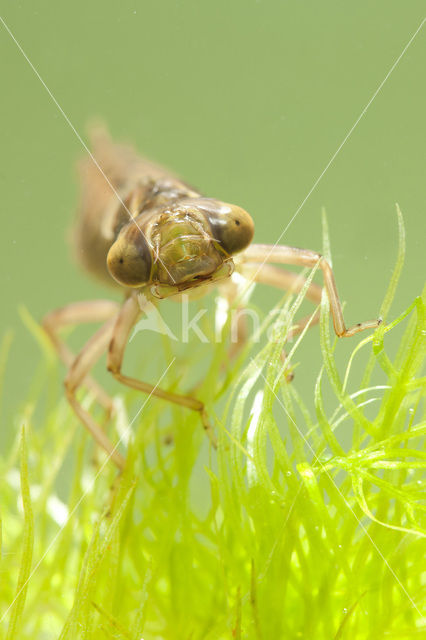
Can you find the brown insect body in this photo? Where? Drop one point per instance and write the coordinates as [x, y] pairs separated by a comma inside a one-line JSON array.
[[107, 186], [142, 228]]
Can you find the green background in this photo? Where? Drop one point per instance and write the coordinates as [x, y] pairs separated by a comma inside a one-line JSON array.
[[247, 100]]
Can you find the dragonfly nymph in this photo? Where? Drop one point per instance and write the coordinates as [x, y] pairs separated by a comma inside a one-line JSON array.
[[144, 230]]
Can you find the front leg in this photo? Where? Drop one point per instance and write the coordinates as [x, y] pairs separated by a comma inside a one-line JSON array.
[[124, 323], [281, 254]]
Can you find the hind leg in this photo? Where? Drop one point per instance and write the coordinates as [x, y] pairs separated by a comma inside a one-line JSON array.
[[77, 373], [76, 314]]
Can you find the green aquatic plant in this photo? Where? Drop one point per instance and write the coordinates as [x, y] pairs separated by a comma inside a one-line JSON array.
[[307, 522]]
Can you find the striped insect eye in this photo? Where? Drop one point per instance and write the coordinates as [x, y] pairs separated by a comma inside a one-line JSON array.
[[231, 226], [129, 259]]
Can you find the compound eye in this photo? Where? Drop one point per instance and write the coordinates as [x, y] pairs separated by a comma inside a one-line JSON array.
[[231, 226], [129, 259]]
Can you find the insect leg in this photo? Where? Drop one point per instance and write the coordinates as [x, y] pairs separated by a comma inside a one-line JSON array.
[[76, 314], [86, 359], [124, 323], [281, 254], [229, 291], [287, 281]]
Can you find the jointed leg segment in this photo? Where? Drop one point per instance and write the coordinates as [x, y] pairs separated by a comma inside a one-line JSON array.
[[280, 254], [126, 320], [76, 314], [80, 366], [118, 323], [112, 337], [287, 281]]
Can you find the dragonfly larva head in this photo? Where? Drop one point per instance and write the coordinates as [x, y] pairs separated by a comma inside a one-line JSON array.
[[196, 236], [183, 245]]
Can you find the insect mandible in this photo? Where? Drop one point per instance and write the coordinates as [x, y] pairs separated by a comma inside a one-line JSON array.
[[145, 230]]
